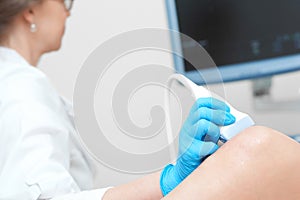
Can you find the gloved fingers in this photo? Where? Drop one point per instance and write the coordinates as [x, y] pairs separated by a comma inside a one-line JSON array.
[[210, 102], [218, 117], [204, 129], [207, 148], [199, 150], [212, 134]]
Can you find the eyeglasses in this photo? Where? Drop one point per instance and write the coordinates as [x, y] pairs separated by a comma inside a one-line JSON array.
[[68, 4]]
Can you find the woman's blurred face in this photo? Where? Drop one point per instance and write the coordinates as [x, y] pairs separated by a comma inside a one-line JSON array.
[[50, 18]]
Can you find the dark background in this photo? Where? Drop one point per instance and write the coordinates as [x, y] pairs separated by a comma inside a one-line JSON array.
[[235, 31]]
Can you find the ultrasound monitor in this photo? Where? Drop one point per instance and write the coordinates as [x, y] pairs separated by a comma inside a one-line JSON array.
[[246, 39]]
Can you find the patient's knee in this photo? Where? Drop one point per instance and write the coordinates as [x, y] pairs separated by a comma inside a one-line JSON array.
[[255, 135], [262, 136], [252, 141], [260, 141], [252, 136]]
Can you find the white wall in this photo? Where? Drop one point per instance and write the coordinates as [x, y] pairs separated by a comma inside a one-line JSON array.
[[94, 21]]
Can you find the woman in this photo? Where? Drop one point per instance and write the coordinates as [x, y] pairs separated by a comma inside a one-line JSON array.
[[40, 155]]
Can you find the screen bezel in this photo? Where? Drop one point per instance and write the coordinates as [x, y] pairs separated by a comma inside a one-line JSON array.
[[232, 72]]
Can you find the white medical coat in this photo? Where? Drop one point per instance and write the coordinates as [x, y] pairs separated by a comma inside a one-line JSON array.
[[40, 153]]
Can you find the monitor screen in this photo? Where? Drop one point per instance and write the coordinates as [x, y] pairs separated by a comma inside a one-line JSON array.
[[245, 39]]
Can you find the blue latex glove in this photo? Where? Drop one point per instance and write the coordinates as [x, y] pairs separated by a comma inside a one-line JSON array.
[[197, 140]]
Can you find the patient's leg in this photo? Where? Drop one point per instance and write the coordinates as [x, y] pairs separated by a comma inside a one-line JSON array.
[[259, 163]]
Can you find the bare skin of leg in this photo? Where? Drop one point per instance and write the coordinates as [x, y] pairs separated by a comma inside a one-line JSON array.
[[259, 163]]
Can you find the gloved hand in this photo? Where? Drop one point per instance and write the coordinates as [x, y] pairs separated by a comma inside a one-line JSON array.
[[197, 140]]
